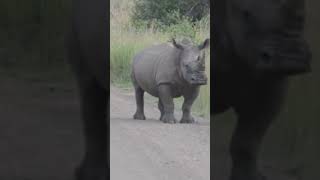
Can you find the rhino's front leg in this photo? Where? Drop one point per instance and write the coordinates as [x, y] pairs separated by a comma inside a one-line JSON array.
[[245, 146], [94, 105], [160, 106], [254, 118], [94, 101], [167, 101], [189, 98]]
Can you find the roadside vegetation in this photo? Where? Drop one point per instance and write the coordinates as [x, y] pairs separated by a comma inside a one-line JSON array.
[[130, 34]]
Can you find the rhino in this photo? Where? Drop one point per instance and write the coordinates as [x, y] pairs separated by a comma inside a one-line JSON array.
[[258, 46], [167, 71], [86, 47]]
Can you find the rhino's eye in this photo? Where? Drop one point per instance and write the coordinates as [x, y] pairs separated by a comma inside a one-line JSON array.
[[188, 68], [247, 15]]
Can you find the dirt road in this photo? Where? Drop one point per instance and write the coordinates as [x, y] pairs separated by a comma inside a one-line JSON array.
[[41, 138], [40, 129], [143, 150], [151, 150]]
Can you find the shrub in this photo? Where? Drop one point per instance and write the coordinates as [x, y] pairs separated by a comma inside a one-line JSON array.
[[168, 12]]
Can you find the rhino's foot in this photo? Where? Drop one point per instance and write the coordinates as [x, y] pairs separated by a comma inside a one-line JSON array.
[[187, 120], [91, 173], [257, 176], [168, 119], [139, 116]]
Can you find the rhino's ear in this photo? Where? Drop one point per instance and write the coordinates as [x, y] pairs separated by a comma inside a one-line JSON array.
[[175, 44], [205, 44]]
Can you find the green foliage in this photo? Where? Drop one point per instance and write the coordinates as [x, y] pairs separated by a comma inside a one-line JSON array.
[[167, 12], [120, 57], [185, 28]]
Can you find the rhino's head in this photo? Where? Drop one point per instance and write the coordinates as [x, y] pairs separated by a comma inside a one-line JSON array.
[[191, 62], [268, 34]]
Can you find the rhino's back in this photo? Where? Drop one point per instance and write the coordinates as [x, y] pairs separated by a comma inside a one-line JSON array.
[[153, 66]]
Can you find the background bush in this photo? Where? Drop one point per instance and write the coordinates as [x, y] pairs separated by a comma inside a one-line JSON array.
[[168, 12]]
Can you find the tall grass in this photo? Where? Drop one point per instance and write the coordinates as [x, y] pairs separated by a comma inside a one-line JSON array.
[[126, 41]]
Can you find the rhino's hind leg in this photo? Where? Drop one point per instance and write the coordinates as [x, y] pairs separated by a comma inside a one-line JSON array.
[[139, 92]]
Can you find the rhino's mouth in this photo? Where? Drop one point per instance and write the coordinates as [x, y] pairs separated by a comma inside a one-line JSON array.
[[285, 55], [199, 78]]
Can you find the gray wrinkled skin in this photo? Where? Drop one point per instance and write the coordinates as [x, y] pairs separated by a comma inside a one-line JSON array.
[[167, 71], [257, 46]]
